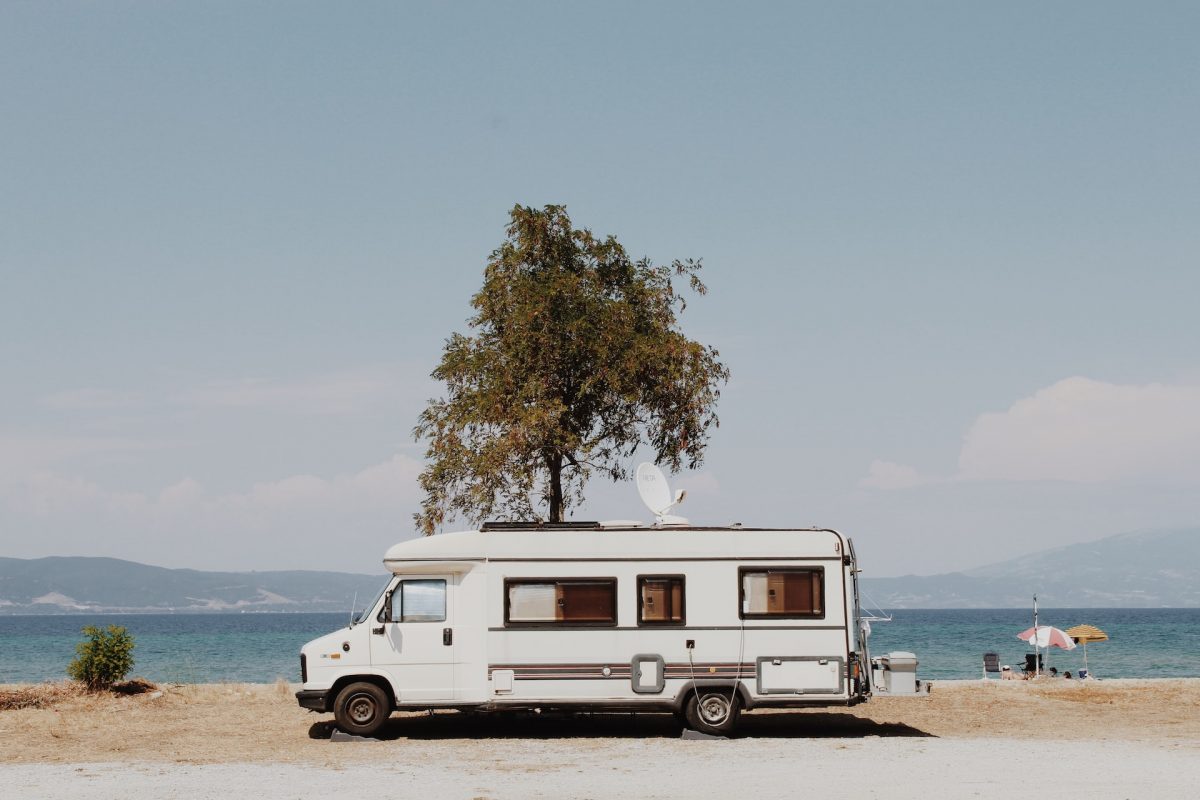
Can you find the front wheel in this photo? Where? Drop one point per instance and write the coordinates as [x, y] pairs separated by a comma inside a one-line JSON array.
[[361, 709], [713, 711]]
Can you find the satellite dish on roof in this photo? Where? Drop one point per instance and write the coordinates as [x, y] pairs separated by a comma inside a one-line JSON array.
[[656, 494]]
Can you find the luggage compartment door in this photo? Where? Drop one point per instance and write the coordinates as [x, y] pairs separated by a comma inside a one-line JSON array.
[[801, 675]]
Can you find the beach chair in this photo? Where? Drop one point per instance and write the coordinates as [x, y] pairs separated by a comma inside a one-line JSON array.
[[991, 665]]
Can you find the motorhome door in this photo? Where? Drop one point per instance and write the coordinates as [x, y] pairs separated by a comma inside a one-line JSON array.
[[414, 642], [854, 618]]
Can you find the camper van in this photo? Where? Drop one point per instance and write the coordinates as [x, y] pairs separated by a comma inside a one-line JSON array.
[[703, 622]]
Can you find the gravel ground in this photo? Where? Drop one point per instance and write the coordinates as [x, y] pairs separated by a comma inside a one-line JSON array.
[[829, 768]]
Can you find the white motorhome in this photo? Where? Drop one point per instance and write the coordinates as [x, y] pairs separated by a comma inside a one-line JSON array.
[[702, 622]]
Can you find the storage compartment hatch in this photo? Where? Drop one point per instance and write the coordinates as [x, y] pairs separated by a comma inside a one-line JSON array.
[[801, 675]]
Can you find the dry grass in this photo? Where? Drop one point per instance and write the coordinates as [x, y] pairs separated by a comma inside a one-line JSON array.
[[1113, 709], [52, 695], [135, 686], [41, 695]]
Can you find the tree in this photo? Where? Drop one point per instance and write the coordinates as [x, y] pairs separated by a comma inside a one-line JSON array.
[[575, 359], [104, 658]]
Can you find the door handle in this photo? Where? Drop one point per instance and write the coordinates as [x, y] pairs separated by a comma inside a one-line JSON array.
[[447, 636], [377, 631]]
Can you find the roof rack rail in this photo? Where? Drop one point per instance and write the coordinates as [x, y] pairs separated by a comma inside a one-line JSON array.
[[538, 525]]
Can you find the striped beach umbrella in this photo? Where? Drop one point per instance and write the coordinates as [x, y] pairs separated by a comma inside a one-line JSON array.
[[1045, 636], [1082, 634]]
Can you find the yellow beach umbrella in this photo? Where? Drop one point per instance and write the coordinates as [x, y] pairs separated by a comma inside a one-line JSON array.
[[1082, 634]]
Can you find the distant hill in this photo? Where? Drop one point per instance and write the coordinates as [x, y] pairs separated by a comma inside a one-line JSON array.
[[75, 584], [1145, 569]]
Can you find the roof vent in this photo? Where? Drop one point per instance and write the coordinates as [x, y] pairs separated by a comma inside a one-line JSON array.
[[538, 525]]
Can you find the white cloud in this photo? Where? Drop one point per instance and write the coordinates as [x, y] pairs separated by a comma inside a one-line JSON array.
[[698, 483], [22, 455], [344, 392], [299, 521], [1088, 431], [889, 475], [391, 484], [44, 493], [387, 487], [92, 398], [89, 483], [187, 493], [1077, 430]]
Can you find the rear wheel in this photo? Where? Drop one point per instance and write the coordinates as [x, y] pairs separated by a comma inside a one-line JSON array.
[[361, 709], [713, 711]]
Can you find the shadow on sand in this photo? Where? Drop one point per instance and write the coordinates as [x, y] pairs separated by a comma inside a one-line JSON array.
[[553, 725]]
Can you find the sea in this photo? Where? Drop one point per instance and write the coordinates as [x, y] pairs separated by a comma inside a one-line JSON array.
[[264, 648]]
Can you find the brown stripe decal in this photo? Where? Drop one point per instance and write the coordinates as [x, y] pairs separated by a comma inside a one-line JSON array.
[[542, 672]]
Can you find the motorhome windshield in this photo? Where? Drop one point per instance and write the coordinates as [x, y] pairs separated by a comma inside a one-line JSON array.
[[362, 615]]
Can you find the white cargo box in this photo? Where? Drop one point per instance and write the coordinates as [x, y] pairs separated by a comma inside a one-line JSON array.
[[896, 674]]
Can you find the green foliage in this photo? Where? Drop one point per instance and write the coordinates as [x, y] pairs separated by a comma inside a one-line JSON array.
[[576, 358], [104, 659]]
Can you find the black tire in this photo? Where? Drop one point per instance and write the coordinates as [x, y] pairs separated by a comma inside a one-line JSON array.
[[362, 709], [713, 711]]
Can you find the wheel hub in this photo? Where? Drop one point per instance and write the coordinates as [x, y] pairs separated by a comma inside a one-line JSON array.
[[361, 709], [714, 709]]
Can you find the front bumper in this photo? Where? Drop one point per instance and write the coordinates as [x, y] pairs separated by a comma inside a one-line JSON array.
[[313, 699]]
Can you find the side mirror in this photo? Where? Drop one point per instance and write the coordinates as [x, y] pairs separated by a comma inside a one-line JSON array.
[[385, 613]]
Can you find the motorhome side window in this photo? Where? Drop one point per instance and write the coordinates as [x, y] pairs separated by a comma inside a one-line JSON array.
[[560, 601], [419, 601], [660, 600], [782, 592]]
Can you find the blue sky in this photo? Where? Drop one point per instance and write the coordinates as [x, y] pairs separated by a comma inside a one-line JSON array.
[[951, 252]]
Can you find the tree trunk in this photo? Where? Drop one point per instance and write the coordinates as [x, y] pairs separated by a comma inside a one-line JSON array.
[[554, 464]]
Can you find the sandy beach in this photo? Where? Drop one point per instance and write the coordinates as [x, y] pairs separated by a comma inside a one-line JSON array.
[[1118, 738]]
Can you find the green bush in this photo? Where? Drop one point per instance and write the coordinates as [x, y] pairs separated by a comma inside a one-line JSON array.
[[105, 658]]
